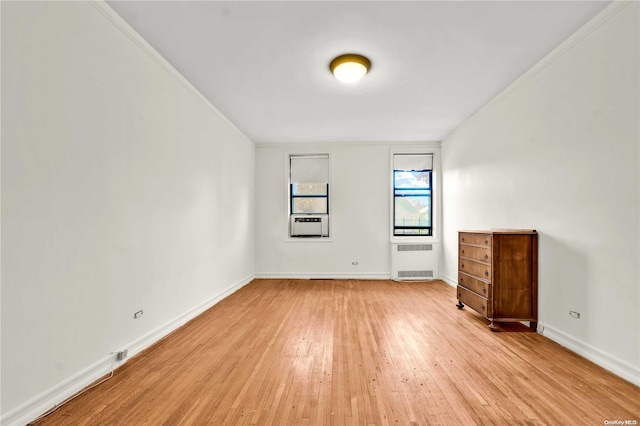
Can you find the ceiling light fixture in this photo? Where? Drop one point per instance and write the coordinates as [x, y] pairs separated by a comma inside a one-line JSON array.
[[350, 68]]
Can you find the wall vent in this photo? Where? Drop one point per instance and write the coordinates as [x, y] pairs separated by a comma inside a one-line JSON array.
[[415, 274], [412, 261], [415, 247]]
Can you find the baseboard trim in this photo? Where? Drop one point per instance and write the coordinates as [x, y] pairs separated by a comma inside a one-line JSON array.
[[447, 279], [64, 390], [324, 276], [332, 276], [36, 406], [170, 326], [609, 362]]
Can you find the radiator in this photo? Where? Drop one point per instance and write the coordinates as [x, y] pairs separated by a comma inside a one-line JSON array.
[[414, 261]]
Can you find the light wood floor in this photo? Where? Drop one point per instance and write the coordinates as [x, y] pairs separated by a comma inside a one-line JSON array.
[[296, 352]]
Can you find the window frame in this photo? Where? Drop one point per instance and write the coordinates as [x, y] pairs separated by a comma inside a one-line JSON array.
[[426, 148], [395, 189], [292, 197], [291, 156]]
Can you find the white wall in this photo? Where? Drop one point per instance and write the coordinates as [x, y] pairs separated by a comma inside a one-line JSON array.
[[122, 189], [359, 203], [559, 152]]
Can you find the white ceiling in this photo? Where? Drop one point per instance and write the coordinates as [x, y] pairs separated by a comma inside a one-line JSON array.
[[265, 64]]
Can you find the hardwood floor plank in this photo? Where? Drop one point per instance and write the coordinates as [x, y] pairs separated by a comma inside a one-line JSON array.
[[341, 352]]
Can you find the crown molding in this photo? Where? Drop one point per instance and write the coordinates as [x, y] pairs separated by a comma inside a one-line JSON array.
[[595, 23], [146, 48]]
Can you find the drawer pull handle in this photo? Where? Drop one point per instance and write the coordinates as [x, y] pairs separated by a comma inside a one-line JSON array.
[[462, 239], [462, 251], [486, 256], [459, 295], [484, 290], [486, 273], [482, 307], [461, 279], [486, 242], [462, 265]]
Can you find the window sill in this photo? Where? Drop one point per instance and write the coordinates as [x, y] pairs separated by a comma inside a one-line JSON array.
[[308, 240], [411, 239]]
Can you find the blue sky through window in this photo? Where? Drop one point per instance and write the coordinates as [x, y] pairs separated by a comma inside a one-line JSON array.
[[411, 179]]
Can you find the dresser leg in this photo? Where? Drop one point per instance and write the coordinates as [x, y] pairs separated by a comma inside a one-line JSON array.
[[493, 327], [459, 305], [533, 326]]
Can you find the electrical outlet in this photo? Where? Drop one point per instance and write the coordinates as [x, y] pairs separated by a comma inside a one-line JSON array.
[[122, 355], [574, 314], [137, 314]]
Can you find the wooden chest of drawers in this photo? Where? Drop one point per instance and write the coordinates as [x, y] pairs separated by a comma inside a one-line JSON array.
[[498, 274]]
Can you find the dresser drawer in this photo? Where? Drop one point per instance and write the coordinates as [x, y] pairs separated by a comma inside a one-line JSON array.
[[475, 285], [473, 238], [477, 269], [472, 252], [478, 303]]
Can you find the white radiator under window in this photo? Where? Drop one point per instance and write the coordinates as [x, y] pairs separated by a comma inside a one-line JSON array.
[[414, 261]]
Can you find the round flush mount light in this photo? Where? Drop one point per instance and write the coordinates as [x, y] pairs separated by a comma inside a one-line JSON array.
[[350, 68]]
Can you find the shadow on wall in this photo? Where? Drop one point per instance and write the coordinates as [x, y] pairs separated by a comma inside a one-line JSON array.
[[563, 296]]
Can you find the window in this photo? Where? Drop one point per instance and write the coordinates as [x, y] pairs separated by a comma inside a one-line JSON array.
[[309, 180], [412, 194], [309, 195], [310, 198]]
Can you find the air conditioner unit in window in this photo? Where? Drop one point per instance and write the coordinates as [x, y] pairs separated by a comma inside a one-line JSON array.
[[309, 225]]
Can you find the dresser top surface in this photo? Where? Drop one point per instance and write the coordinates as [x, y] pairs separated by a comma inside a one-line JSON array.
[[501, 231]]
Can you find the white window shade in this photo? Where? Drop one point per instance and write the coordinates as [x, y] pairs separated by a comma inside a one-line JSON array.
[[310, 168], [412, 162]]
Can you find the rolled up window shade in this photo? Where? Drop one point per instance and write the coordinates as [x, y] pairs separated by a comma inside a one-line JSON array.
[[412, 161], [310, 168]]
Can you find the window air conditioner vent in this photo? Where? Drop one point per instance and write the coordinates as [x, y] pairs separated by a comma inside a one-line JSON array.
[[415, 247]]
